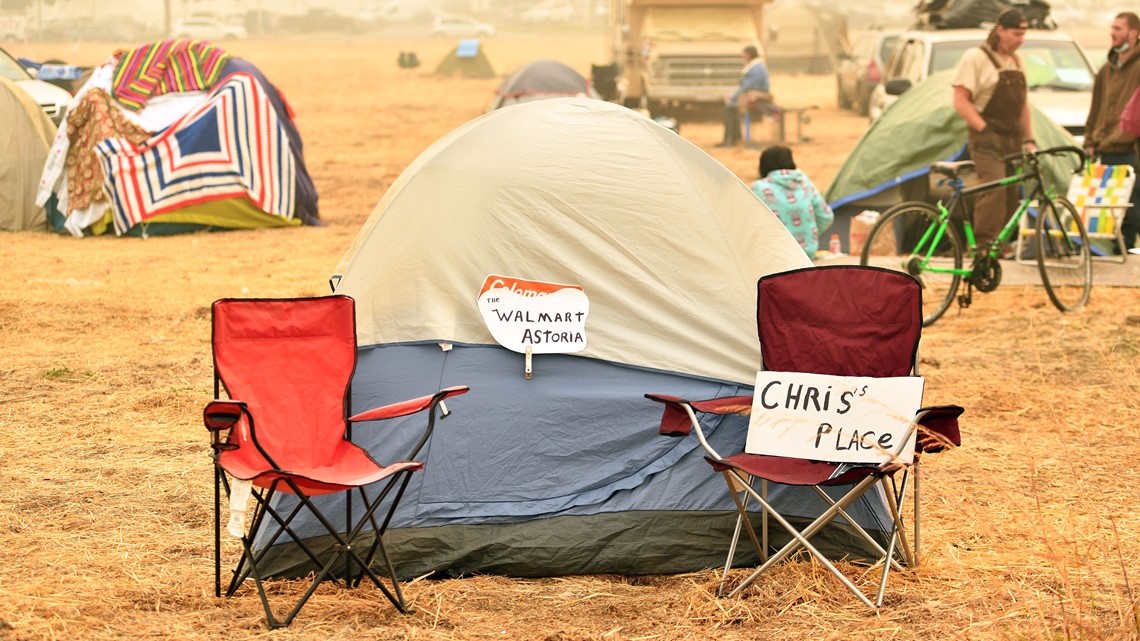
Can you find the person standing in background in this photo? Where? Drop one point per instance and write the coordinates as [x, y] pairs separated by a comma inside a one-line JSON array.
[[1115, 83], [992, 96]]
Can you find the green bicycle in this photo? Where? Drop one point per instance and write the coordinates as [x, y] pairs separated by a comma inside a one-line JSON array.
[[926, 241]]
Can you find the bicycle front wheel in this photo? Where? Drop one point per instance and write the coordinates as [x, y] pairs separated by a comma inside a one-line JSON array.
[[910, 237], [1063, 254]]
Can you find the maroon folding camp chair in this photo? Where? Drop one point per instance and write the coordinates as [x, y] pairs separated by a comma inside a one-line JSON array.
[[842, 321], [286, 366]]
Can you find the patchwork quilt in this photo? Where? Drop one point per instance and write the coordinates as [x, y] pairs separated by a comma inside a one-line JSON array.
[[231, 146]]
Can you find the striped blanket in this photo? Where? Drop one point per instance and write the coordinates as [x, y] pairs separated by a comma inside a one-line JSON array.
[[230, 146], [166, 66]]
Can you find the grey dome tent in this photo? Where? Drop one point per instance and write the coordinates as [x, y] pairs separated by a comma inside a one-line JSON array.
[[565, 472], [540, 80]]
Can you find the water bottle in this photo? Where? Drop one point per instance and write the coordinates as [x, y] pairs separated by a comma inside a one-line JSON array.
[[834, 245]]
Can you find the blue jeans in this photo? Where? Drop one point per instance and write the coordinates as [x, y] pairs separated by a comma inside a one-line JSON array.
[[1130, 226]]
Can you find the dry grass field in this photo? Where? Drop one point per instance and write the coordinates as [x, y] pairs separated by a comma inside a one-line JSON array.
[[1029, 532]]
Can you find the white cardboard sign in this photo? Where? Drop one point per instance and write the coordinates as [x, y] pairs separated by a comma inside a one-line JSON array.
[[546, 317], [839, 419]]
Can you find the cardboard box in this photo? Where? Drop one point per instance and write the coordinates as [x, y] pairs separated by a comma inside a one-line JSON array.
[[861, 225]]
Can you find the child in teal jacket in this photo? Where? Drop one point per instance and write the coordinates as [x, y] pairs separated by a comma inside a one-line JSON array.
[[790, 194]]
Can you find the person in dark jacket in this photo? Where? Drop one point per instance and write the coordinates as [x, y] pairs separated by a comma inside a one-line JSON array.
[[1115, 83]]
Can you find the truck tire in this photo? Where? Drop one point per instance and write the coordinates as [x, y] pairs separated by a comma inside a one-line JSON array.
[[841, 99]]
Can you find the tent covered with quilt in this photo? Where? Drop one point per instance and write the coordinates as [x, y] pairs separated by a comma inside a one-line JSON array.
[[562, 471], [176, 136]]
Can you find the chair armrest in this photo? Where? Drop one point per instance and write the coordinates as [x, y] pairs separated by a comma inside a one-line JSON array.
[[675, 420], [411, 406], [938, 428], [680, 418], [221, 414]]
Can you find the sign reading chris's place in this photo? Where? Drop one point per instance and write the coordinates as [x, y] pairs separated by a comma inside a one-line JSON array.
[[840, 419], [547, 318]]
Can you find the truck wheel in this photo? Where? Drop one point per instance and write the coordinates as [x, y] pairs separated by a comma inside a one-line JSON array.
[[865, 102], [841, 98]]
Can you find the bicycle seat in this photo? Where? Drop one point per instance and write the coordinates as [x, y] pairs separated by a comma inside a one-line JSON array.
[[953, 169]]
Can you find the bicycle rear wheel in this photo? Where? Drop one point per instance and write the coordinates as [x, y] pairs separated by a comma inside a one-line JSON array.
[[1063, 254], [909, 237]]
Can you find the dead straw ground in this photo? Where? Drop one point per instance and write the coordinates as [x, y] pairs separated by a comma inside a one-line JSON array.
[[1030, 531]]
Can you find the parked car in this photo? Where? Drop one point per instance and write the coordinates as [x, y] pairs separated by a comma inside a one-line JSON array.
[[548, 12], [321, 19], [1059, 73], [458, 26], [208, 29], [119, 28], [52, 99], [861, 70]]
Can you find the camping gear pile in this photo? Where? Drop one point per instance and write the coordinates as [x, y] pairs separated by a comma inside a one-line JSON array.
[[971, 14], [173, 136]]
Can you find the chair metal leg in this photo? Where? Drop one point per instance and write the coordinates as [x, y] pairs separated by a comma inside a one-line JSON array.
[[858, 528], [800, 539], [742, 522], [886, 565], [264, 508], [379, 529], [217, 530], [764, 518], [917, 468]]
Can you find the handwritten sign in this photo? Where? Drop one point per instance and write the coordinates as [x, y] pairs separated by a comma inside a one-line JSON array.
[[839, 419], [549, 318]]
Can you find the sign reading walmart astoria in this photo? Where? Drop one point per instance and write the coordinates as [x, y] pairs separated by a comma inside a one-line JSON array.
[[547, 318]]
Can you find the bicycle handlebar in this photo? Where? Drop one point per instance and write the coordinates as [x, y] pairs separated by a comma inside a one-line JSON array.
[[1052, 151]]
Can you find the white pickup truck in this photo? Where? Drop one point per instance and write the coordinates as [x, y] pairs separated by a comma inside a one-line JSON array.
[[13, 28]]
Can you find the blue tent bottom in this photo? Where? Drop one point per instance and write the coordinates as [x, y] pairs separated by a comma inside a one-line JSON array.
[[559, 475]]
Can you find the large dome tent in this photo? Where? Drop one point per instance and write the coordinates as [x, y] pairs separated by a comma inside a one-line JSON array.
[[563, 472]]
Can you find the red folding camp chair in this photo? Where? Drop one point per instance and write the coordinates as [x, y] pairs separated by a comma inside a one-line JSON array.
[[286, 366], [843, 321]]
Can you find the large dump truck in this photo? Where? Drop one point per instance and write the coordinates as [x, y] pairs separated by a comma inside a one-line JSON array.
[[674, 52]]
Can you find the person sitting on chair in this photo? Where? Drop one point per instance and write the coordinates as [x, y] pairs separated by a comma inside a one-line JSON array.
[[754, 78], [790, 194]]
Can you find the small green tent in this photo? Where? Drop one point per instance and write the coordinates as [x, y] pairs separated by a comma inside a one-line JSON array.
[[919, 129], [468, 59]]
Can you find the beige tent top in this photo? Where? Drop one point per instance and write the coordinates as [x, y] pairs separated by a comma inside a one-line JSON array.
[[802, 38], [665, 241], [25, 136]]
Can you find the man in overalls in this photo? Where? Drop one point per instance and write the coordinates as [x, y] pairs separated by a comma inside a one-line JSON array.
[[991, 95]]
